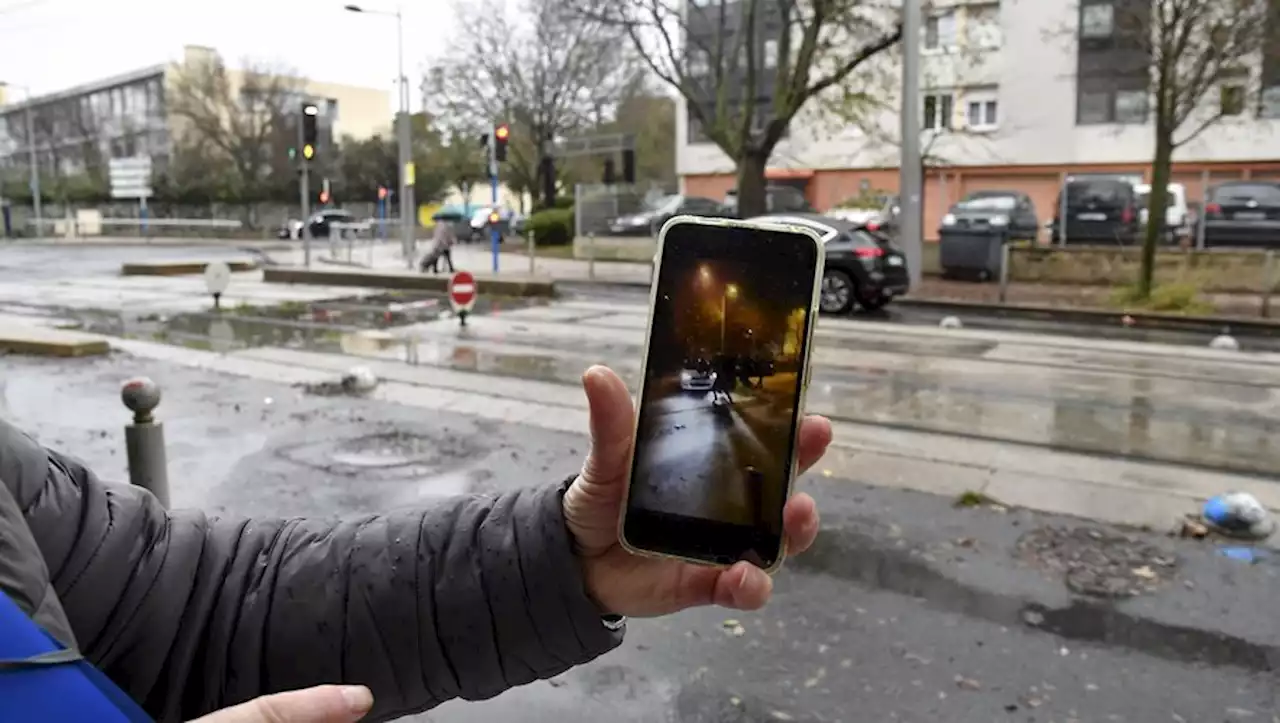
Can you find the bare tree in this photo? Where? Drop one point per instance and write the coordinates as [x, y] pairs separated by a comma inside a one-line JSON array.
[[547, 72], [746, 67], [238, 116], [1194, 58]]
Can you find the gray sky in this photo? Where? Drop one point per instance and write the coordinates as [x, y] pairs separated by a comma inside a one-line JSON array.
[[53, 44]]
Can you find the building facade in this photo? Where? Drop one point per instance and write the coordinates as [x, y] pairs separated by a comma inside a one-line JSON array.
[[1014, 95], [80, 129]]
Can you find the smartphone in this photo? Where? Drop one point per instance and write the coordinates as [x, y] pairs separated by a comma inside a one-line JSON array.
[[726, 365]]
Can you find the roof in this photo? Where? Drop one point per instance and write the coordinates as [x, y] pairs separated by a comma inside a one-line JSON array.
[[132, 76]]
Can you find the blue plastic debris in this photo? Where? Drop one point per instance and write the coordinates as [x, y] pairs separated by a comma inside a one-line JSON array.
[[1238, 514], [1250, 555]]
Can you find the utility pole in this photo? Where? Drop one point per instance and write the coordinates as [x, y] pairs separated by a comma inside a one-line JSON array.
[[32, 156], [304, 192], [911, 181], [404, 137]]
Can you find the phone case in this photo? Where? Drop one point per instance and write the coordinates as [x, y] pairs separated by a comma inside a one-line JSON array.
[[804, 383]]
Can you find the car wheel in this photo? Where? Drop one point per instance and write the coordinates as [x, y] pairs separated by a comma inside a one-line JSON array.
[[837, 292]]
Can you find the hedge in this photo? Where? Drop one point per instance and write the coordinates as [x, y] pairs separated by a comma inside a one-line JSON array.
[[551, 227]]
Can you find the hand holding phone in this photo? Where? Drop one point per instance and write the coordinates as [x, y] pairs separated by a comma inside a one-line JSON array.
[[725, 371]]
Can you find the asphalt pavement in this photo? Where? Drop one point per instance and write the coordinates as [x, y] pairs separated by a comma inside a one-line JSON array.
[[925, 623]]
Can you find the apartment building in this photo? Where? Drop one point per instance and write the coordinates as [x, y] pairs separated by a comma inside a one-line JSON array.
[[1014, 95], [127, 115]]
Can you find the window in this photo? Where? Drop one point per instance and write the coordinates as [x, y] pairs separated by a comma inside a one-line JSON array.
[[1097, 20], [940, 31], [937, 111], [699, 65], [981, 112], [771, 53], [1093, 107], [1131, 106], [982, 26], [1231, 99]]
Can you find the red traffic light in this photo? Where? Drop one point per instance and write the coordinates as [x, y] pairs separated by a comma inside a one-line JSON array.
[[382, 192], [502, 132]]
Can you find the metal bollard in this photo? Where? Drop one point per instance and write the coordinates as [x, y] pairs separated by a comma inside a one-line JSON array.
[[1268, 281], [532, 252], [591, 257], [1004, 271], [144, 439]]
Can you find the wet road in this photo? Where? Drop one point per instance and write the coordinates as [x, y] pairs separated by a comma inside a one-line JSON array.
[[832, 646], [25, 263], [702, 460]]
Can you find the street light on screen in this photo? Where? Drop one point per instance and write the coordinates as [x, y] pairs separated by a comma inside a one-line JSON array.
[[704, 274], [730, 292]]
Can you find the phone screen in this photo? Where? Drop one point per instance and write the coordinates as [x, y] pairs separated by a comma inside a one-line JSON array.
[[721, 393]]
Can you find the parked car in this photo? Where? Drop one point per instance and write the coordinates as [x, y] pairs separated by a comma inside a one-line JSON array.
[[318, 224], [482, 222], [1177, 225], [863, 266], [1243, 213], [886, 220], [1008, 213], [653, 215], [778, 199], [1099, 210]]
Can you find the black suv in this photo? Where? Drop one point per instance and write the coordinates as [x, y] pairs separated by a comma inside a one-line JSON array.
[[1099, 210], [1243, 213]]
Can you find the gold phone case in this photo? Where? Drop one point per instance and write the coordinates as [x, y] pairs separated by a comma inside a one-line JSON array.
[[805, 371]]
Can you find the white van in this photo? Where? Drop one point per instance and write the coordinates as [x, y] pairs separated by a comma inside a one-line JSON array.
[[1177, 215]]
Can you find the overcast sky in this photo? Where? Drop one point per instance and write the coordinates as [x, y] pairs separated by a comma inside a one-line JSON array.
[[52, 44]]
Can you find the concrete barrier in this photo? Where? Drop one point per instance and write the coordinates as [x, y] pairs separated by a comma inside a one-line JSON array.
[[180, 268], [522, 286], [18, 338]]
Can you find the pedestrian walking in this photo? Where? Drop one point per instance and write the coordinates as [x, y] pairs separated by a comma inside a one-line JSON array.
[[329, 621], [442, 241]]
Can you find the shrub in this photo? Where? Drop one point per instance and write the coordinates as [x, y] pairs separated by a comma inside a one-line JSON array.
[[1176, 298], [551, 227]]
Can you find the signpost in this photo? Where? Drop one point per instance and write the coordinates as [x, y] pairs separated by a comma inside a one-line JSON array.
[[462, 294], [217, 276], [131, 178]]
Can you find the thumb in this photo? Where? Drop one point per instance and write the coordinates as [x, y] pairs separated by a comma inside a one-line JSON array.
[[612, 420], [321, 704]]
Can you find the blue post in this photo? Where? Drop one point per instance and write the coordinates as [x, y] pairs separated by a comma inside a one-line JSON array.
[[382, 219], [493, 230]]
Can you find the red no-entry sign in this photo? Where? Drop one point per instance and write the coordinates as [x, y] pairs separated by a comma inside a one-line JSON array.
[[462, 291]]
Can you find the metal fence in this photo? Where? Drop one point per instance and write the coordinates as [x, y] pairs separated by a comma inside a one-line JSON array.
[[597, 205]]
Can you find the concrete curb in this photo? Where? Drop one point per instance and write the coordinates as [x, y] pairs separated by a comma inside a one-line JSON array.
[[180, 268], [37, 340], [498, 286], [1239, 326], [1102, 317], [1202, 617]]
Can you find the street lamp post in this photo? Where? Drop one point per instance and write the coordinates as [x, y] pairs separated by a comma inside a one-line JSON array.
[[408, 220], [31, 155], [730, 292]]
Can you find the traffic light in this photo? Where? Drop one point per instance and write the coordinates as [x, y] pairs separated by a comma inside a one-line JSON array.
[[501, 134], [629, 166], [609, 173], [310, 131], [382, 193], [494, 218], [324, 197]]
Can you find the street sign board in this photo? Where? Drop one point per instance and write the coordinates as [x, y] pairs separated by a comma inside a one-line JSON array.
[[217, 276], [462, 291], [130, 177]]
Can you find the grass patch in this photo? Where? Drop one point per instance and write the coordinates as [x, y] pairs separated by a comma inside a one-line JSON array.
[[1176, 298]]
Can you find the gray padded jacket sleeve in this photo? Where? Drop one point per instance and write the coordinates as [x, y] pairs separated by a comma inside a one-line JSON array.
[[190, 613]]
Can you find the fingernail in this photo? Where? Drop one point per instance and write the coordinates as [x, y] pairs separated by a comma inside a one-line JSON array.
[[359, 699]]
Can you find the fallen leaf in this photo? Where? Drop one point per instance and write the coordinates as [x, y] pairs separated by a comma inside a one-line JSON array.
[[1144, 572]]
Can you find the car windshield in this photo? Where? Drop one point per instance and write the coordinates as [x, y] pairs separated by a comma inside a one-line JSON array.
[[1111, 193], [988, 203], [1243, 192], [666, 204]]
